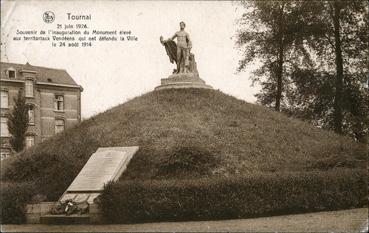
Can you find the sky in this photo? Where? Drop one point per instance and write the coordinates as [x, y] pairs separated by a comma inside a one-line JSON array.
[[115, 72]]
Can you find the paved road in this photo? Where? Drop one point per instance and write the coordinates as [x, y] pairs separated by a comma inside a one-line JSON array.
[[333, 221]]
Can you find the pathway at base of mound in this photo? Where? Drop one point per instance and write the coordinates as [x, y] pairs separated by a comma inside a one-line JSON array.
[[183, 80], [331, 221], [106, 164]]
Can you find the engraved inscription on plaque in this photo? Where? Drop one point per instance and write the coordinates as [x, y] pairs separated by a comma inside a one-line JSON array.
[[105, 165]]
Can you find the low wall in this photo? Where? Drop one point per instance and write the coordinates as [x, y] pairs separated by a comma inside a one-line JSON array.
[[95, 214], [34, 212]]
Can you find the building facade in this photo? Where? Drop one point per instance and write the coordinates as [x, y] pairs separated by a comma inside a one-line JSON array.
[[52, 96]]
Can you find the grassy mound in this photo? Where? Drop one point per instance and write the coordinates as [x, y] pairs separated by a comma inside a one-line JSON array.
[[187, 134]]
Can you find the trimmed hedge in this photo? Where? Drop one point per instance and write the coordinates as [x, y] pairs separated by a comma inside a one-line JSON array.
[[223, 198], [51, 173], [14, 197]]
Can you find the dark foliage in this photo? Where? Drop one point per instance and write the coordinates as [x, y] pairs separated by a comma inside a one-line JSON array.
[[50, 173], [257, 195], [18, 122], [14, 197]]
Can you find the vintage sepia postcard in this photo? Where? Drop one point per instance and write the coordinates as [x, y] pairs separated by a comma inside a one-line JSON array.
[[184, 116]]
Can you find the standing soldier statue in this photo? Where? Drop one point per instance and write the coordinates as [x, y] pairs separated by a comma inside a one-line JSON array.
[[186, 74], [180, 52]]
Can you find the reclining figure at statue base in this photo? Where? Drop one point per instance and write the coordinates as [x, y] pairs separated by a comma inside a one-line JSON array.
[[69, 207]]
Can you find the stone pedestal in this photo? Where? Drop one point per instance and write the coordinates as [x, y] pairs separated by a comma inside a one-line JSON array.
[[183, 80]]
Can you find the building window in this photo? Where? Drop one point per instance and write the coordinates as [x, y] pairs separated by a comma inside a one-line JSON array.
[[5, 153], [59, 103], [30, 141], [59, 125], [29, 88], [11, 73], [4, 99], [4, 127], [31, 115]]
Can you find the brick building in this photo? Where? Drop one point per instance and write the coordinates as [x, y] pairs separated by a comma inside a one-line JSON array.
[[53, 97]]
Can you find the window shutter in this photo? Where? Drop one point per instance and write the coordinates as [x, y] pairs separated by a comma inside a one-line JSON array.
[[55, 104]]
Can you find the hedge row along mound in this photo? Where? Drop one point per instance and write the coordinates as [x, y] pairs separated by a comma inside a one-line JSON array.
[[236, 197]]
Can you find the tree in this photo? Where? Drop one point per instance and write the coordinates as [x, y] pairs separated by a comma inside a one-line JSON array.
[[271, 33], [314, 60], [343, 23], [18, 122], [333, 94]]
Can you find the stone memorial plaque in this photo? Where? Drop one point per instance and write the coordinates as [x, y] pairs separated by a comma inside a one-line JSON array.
[[106, 164], [103, 166]]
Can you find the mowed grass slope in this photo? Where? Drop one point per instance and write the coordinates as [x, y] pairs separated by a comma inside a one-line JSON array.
[[184, 134]]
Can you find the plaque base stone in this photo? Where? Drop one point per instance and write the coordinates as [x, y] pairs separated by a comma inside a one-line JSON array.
[[64, 219], [40, 214]]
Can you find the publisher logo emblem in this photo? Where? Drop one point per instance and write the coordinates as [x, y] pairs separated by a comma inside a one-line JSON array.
[[48, 17]]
